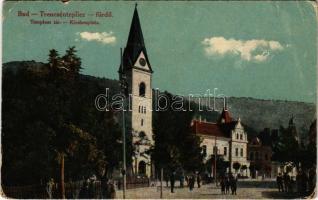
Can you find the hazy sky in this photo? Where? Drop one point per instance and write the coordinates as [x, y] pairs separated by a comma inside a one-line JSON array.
[[252, 49]]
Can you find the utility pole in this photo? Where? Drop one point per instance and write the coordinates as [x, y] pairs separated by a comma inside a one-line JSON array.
[[215, 154], [124, 86], [161, 178]]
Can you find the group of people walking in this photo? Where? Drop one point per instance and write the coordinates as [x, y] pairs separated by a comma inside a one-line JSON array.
[[190, 180], [228, 182], [305, 182]]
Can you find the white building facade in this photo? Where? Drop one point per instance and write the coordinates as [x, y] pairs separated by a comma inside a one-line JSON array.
[[228, 137]]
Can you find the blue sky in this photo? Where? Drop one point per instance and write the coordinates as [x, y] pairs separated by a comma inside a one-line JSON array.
[[254, 49]]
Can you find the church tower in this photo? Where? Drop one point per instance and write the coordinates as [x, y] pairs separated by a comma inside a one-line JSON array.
[[135, 68]]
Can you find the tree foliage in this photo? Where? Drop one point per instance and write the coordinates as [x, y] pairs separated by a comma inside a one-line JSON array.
[[175, 145], [48, 111]]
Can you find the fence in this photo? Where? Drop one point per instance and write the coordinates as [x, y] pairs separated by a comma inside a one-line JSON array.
[[72, 189]]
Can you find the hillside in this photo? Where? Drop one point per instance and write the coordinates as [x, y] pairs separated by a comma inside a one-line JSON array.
[[256, 114]]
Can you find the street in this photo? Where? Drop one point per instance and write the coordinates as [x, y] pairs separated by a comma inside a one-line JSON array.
[[246, 190]]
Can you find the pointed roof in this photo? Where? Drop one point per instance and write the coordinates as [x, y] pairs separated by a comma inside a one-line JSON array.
[[225, 117], [135, 44]]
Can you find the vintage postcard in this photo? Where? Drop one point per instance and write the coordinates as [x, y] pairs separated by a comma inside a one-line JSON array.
[[159, 99]]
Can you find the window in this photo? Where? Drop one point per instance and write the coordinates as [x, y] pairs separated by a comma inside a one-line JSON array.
[[236, 151], [241, 137], [142, 89], [139, 109], [142, 122], [225, 151], [142, 134], [144, 109], [215, 150], [242, 153], [237, 136]]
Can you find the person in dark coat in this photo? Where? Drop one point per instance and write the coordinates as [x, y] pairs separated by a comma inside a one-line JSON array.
[[222, 183], [199, 180], [286, 179], [172, 180], [233, 184], [279, 181], [191, 182], [227, 185]]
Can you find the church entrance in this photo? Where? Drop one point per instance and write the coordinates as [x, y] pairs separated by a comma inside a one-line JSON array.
[[142, 168]]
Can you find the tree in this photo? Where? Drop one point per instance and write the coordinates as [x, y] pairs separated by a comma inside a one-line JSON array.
[[175, 145], [53, 116], [221, 164], [71, 61], [287, 148], [236, 166]]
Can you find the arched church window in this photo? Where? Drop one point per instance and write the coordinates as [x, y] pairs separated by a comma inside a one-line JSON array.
[[142, 122], [142, 168], [142, 89], [144, 109]]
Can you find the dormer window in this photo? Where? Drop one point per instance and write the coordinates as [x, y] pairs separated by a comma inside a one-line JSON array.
[[142, 89]]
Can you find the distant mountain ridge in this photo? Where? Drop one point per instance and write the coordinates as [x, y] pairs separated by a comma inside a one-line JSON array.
[[255, 113], [259, 114]]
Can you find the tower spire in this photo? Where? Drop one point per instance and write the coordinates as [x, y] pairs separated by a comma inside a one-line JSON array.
[[135, 43]]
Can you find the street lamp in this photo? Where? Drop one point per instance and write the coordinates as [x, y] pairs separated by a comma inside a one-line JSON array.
[[123, 87]]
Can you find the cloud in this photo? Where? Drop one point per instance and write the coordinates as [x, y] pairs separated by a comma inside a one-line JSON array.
[[248, 50], [103, 37]]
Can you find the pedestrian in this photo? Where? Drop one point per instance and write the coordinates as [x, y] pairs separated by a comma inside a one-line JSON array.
[[199, 180], [279, 181], [49, 188], [182, 180], [233, 184], [286, 180], [172, 180], [222, 183], [227, 185], [187, 180], [191, 182], [167, 180]]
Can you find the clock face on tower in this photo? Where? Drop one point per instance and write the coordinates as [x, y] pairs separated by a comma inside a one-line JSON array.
[[142, 62]]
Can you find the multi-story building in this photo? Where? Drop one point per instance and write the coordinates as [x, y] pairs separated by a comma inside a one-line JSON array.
[[259, 155], [227, 137]]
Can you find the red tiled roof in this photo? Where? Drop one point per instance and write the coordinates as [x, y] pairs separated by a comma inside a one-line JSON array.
[[226, 116], [208, 128]]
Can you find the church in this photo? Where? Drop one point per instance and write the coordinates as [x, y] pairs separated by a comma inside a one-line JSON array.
[[135, 69], [227, 135], [227, 138]]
